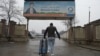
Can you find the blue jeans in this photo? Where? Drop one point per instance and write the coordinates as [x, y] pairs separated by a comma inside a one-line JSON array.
[[51, 42]]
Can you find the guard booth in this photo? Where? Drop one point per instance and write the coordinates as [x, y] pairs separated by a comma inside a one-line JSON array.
[[49, 10]]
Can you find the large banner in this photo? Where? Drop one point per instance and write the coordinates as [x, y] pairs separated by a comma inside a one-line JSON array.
[[49, 0], [50, 7]]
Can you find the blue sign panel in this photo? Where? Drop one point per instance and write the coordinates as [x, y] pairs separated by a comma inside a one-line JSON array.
[[49, 0], [50, 7]]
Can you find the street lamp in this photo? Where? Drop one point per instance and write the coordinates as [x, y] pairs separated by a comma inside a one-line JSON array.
[[89, 14], [89, 30]]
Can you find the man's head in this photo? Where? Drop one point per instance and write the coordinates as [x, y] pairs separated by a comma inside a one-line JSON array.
[[51, 24]]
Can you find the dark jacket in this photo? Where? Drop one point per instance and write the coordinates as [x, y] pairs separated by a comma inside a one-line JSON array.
[[50, 31]]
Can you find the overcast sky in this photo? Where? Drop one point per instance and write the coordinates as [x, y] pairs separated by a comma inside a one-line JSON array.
[[82, 15]]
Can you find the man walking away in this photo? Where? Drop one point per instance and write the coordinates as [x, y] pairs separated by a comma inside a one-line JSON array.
[[50, 31]]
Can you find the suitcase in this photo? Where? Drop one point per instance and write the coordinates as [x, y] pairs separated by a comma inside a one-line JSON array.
[[43, 48]]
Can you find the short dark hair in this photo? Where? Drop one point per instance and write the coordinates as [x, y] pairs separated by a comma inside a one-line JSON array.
[[51, 23]]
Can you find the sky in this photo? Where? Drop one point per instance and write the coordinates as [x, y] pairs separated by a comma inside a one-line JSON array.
[[81, 15]]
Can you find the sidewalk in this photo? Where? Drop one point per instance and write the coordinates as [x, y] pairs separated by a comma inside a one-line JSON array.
[[91, 47]]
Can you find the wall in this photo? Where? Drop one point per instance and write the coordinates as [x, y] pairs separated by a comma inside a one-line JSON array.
[[20, 33], [92, 32], [17, 32], [3, 30], [98, 33], [77, 35], [64, 35]]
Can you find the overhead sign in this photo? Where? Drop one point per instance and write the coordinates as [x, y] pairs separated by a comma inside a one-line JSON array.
[[50, 7], [49, 0]]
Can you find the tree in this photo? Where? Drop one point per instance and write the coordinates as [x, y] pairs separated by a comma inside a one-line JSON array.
[[69, 23], [10, 10]]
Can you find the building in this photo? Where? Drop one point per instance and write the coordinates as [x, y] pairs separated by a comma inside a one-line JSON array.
[[92, 31]]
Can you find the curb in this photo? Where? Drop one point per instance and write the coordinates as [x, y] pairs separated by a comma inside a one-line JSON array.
[[88, 48]]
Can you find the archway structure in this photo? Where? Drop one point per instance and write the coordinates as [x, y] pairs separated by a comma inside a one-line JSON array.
[[49, 10]]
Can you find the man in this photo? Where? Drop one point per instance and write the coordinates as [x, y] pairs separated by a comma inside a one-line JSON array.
[[50, 31], [31, 10]]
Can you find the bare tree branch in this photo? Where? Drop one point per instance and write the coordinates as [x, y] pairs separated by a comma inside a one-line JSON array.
[[10, 8], [11, 11], [68, 23]]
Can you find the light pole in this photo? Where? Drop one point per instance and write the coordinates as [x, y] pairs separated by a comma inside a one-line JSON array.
[[89, 30], [89, 14]]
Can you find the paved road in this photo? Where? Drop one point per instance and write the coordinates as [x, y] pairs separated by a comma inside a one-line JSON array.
[[31, 49]]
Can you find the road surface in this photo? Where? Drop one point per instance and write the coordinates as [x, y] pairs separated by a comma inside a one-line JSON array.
[[31, 49]]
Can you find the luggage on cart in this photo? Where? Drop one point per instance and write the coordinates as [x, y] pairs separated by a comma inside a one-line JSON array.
[[43, 48]]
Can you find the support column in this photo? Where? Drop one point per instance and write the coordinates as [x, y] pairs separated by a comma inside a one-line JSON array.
[[27, 26], [72, 30]]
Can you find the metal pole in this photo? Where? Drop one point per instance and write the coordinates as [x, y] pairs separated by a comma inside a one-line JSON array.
[[89, 15], [89, 28]]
